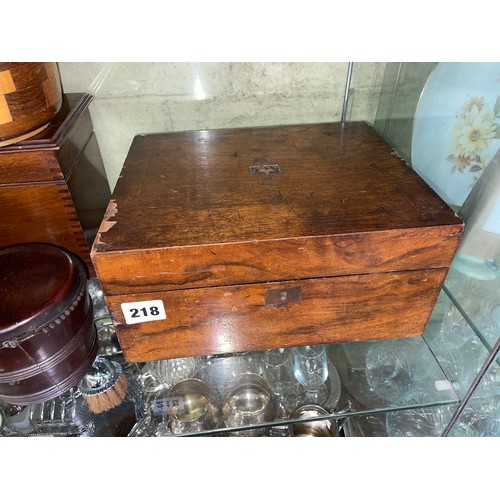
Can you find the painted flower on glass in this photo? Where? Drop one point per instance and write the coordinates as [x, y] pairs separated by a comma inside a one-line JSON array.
[[474, 132]]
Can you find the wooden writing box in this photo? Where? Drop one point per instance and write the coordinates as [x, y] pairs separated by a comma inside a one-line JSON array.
[[269, 237]]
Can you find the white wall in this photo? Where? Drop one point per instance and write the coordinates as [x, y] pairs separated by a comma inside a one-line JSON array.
[[134, 98]]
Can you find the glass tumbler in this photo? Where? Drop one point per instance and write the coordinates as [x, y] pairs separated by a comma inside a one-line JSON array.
[[278, 372], [310, 366], [388, 370], [277, 369], [480, 418], [313, 428], [219, 371], [421, 421], [250, 402], [6, 429], [171, 371], [191, 407]]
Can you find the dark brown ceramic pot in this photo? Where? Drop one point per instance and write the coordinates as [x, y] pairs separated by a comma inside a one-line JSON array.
[[48, 339]]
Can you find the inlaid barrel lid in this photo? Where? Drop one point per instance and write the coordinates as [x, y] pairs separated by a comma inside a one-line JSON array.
[[30, 96], [39, 283]]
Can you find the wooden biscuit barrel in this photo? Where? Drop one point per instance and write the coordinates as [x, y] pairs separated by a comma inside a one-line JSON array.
[[30, 96], [48, 339]]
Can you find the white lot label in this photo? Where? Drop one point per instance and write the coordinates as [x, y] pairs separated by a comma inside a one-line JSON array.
[[443, 385], [140, 312]]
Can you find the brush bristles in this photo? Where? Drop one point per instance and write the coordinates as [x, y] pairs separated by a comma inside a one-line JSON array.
[[110, 398]]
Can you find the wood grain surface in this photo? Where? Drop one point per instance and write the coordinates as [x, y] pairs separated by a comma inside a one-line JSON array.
[[259, 261], [30, 97], [30, 167], [194, 188], [41, 213], [217, 320]]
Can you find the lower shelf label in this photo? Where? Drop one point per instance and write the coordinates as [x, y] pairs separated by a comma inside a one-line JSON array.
[[167, 405], [140, 312]]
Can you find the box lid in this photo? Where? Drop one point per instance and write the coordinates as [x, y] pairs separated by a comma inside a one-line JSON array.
[[218, 207]]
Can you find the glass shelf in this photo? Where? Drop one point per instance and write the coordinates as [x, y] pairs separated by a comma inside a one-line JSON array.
[[365, 378], [481, 416], [455, 344], [478, 418], [390, 374], [421, 421], [479, 302], [461, 354]]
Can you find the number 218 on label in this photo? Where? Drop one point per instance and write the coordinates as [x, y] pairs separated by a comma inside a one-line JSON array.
[[140, 312]]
